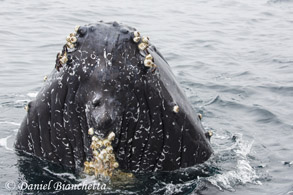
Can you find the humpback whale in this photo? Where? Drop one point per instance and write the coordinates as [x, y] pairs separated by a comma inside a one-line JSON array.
[[112, 102]]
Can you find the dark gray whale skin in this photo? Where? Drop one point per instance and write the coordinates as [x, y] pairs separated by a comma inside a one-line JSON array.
[[105, 85]]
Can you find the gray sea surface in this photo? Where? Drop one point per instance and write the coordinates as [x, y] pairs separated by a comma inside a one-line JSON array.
[[233, 58]]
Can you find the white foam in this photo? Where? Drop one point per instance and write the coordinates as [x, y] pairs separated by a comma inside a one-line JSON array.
[[32, 94], [21, 101], [4, 143], [243, 172], [60, 175]]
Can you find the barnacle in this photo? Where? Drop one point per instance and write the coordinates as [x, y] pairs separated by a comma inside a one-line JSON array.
[[111, 136], [91, 131], [145, 39], [142, 46], [148, 63], [136, 39], [176, 109], [200, 116], [73, 39], [76, 28], [70, 45], [136, 33], [63, 59], [149, 57], [95, 138]]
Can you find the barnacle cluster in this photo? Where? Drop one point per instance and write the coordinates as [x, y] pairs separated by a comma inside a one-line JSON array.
[[136, 37], [71, 41], [143, 43], [103, 162], [149, 61]]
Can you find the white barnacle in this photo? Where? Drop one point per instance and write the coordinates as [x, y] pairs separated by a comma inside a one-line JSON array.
[[115, 165], [111, 157], [136, 33], [109, 149], [68, 38], [73, 39], [95, 153], [76, 28], [148, 63], [176, 109], [149, 57], [70, 45], [98, 160], [26, 108], [95, 138], [106, 142], [45, 78], [145, 39], [91, 131], [64, 59], [72, 34], [200, 116], [142, 46], [103, 153], [111, 136], [101, 156], [136, 39]]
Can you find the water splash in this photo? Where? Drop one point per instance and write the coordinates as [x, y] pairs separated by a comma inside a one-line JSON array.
[[240, 174], [32, 94], [4, 143]]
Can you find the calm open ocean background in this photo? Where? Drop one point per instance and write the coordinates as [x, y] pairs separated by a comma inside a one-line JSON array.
[[233, 58]]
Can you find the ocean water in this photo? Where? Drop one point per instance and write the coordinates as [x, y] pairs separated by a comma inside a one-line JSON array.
[[233, 58]]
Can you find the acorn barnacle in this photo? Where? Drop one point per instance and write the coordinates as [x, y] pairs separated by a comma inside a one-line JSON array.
[[70, 45], [145, 39], [142, 46], [148, 63], [63, 59], [136, 39], [176, 109], [149, 57], [200, 116], [136, 34], [76, 28], [111, 136], [91, 131], [73, 39]]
